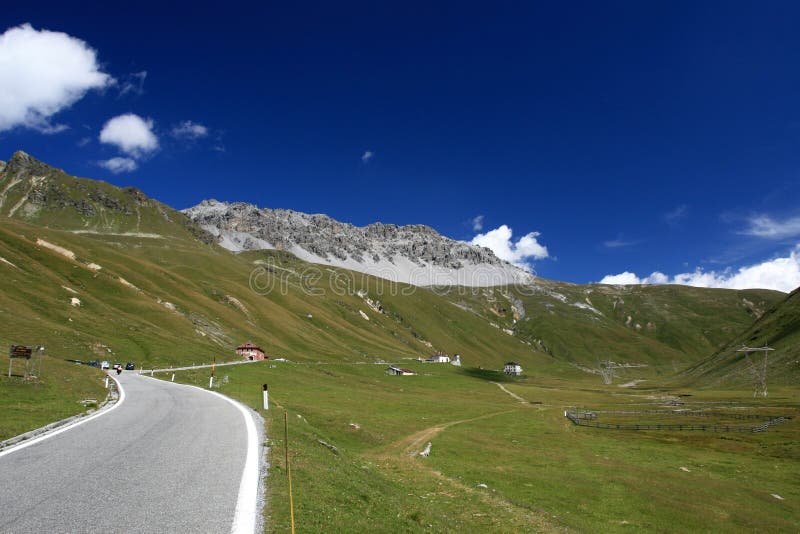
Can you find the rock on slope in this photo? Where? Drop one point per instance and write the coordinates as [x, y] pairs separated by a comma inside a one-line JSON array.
[[415, 254]]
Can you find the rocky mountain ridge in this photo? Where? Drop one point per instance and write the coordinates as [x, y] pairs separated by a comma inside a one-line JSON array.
[[415, 254]]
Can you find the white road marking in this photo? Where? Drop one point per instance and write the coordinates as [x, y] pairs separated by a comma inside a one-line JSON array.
[[34, 441], [244, 517]]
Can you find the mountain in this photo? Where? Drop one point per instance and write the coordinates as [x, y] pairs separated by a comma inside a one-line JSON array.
[[415, 254], [778, 328], [90, 269], [38, 193]]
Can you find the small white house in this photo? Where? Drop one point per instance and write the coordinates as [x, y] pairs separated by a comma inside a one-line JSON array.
[[398, 371], [512, 368], [439, 357]]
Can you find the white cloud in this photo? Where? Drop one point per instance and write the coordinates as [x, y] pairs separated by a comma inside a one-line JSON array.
[[131, 134], [619, 243], [368, 155], [520, 253], [782, 274], [477, 223], [676, 214], [133, 84], [767, 227], [118, 165], [41, 73], [189, 130]]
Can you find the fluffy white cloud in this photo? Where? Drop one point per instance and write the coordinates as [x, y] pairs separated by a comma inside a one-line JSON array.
[[766, 226], [367, 155], [131, 133], [118, 165], [519, 253], [477, 223], [41, 73], [782, 274], [189, 130]]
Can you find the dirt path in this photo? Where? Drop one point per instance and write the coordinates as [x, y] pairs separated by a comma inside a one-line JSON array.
[[501, 386], [404, 454], [411, 445]]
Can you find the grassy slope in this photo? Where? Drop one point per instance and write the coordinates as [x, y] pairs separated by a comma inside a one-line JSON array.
[[56, 395], [542, 473], [779, 328], [193, 302], [664, 327]]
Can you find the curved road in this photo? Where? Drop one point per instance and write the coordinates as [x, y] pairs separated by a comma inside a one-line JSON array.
[[167, 458]]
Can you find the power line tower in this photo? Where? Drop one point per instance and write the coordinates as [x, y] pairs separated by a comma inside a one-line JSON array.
[[606, 370], [758, 372]]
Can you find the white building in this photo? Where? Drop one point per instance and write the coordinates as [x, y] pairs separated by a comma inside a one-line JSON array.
[[456, 360], [439, 357], [513, 368]]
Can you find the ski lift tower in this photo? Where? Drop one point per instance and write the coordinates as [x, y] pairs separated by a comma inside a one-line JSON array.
[[759, 372]]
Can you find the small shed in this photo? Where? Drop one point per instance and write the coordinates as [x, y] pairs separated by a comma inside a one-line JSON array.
[[250, 351], [398, 371], [512, 368]]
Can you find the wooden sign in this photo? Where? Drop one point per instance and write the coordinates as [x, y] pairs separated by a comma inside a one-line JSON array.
[[20, 351]]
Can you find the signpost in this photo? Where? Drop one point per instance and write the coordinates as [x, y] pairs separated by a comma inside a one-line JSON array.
[[19, 351]]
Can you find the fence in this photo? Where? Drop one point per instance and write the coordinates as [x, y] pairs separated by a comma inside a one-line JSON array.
[[589, 418]]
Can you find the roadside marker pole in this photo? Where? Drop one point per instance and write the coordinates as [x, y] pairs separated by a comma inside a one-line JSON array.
[[266, 398], [288, 465], [106, 381], [173, 378]]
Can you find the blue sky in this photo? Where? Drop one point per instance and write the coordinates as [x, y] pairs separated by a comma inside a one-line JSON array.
[[624, 138]]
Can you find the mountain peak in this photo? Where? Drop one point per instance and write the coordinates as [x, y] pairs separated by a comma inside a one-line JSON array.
[[23, 162], [415, 254]]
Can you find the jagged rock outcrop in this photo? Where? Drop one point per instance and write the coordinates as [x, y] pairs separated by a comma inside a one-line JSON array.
[[415, 253]]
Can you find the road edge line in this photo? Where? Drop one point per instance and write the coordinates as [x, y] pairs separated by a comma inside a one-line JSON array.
[[59, 430], [245, 514]]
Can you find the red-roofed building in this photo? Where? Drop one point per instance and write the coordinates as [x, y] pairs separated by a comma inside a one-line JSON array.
[[250, 351]]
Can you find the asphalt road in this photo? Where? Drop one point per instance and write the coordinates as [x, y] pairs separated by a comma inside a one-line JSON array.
[[169, 458]]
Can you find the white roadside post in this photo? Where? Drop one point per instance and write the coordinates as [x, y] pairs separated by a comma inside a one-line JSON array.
[[266, 398], [173, 378], [106, 381]]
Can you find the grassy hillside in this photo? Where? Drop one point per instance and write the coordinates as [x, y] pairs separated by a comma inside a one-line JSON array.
[[778, 328], [663, 327], [160, 300]]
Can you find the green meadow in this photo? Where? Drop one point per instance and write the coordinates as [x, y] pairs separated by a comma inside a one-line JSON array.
[[501, 464]]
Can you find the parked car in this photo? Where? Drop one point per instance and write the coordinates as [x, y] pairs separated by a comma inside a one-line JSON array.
[[117, 366], [129, 366], [104, 364], [93, 363]]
